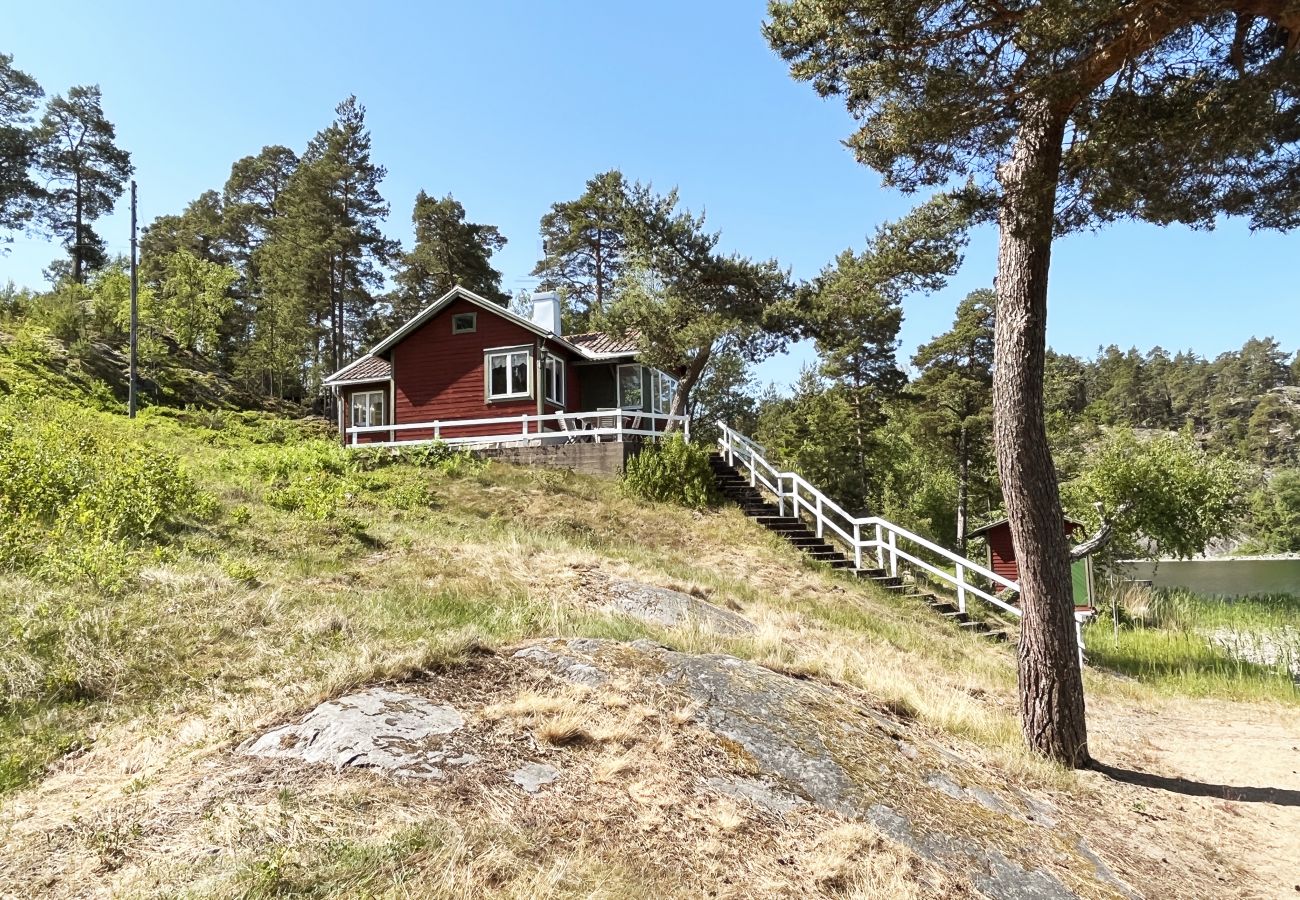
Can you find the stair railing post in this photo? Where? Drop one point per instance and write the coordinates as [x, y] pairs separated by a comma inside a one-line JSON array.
[[437, 430], [893, 556], [880, 547], [686, 429], [753, 473], [794, 495], [1078, 634], [780, 494], [857, 545], [821, 529], [961, 588]]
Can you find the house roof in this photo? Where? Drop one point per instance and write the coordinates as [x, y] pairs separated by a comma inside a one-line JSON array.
[[984, 529], [594, 345], [603, 344], [367, 368], [460, 293]]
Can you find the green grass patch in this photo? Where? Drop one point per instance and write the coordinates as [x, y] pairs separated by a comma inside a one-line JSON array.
[[1242, 648]]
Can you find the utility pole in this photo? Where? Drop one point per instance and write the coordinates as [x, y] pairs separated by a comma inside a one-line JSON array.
[[131, 389]]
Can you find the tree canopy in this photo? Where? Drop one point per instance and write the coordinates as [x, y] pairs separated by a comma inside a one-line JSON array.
[[448, 251]]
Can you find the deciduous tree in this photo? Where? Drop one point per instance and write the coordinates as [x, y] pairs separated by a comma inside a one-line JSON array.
[[1064, 114]]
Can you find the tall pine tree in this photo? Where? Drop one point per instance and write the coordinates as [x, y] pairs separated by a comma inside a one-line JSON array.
[[448, 251], [955, 389], [19, 194], [86, 173], [585, 247]]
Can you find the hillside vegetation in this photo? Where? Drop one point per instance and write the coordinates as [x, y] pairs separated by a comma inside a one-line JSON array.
[[176, 584]]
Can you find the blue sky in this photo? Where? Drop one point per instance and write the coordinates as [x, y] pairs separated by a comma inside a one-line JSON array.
[[512, 106]]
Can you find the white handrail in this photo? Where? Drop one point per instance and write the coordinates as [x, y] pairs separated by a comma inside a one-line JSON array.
[[850, 529], [618, 430]]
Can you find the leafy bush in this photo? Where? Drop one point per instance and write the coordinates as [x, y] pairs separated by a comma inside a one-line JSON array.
[[79, 498], [671, 471], [437, 455]]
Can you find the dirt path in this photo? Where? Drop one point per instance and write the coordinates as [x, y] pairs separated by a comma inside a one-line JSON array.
[[1219, 778]]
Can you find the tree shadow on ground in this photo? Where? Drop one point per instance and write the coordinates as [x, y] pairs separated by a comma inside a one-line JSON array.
[[1277, 796]]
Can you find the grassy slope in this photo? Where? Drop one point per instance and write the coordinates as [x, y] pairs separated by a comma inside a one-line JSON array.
[[276, 602]]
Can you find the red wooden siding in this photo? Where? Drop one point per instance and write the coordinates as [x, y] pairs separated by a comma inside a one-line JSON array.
[[1002, 553], [439, 375]]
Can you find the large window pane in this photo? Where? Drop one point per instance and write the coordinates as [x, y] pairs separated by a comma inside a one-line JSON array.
[[518, 373], [554, 379], [499, 383], [367, 409], [629, 387]]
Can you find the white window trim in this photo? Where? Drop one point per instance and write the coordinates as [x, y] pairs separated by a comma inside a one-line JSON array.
[[473, 317], [352, 407], [507, 352], [557, 364]]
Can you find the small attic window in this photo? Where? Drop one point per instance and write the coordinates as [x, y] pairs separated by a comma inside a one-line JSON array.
[[464, 323]]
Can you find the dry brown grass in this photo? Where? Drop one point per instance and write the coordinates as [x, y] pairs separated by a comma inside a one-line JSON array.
[[198, 662]]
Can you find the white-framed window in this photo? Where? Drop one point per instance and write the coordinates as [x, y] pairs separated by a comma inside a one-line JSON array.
[[368, 408], [662, 388], [509, 373], [554, 380], [629, 387], [464, 323]]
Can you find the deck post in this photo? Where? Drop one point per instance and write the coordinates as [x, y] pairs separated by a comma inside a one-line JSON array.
[[686, 429], [437, 431], [961, 588]]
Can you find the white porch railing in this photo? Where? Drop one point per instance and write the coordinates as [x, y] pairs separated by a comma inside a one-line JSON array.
[[872, 535], [568, 427]]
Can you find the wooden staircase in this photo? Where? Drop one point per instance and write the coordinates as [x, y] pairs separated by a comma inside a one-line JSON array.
[[736, 488]]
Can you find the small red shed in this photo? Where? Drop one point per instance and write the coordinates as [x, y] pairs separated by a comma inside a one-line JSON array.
[[1002, 556]]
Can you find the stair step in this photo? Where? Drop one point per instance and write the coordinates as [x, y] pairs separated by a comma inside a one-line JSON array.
[[809, 543], [782, 520], [978, 627], [829, 553], [868, 573], [998, 637]]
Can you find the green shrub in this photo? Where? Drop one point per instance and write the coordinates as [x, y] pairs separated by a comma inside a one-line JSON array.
[[80, 497], [671, 471], [437, 455]]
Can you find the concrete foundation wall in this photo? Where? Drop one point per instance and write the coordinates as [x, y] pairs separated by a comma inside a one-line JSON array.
[[590, 458]]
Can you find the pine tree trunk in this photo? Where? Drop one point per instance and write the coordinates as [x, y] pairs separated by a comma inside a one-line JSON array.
[[1051, 684], [685, 385], [77, 248], [963, 486]]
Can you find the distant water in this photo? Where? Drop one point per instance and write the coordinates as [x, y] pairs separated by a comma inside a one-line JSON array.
[[1229, 577]]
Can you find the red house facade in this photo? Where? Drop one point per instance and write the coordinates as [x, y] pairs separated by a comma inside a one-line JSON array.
[[466, 370]]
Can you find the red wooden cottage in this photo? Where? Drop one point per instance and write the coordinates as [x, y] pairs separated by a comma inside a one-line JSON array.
[[466, 370], [1002, 556]]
